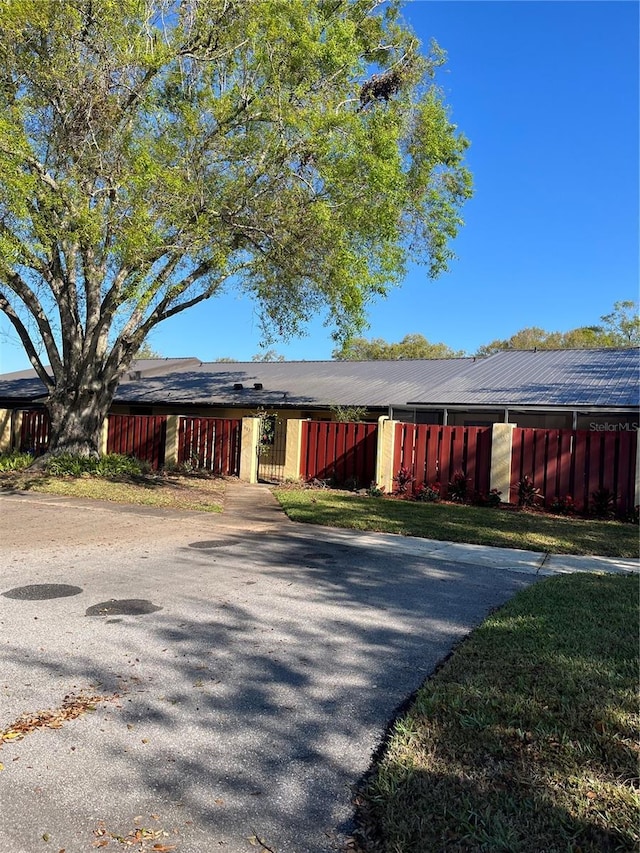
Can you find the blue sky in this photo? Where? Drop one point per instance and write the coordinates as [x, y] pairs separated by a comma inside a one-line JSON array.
[[547, 92]]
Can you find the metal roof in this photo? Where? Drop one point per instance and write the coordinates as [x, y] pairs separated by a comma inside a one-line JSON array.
[[585, 378], [293, 383]]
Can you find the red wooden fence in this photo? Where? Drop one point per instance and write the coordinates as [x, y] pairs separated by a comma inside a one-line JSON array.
[[210, 443], [344, 453], [142, 436], [435, 453], [34, 431], [577, 463]]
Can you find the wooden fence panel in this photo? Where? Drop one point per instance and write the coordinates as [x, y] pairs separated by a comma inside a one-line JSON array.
[[344, 453], [35, 431], [141, 436], [212, 444], [576, 463], [434, 453]]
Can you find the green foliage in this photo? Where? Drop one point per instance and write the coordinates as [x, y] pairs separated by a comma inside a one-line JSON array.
[[493, 499], [603, 502], [404, 481], [620, 328], [528, 494], [563, 505], [348, 414], [268, 426], [110, 465], [411, 346], [458, 487], [152, 154], [268, 355], [15, 460], [376, 491], [623, 323], [427, 492]]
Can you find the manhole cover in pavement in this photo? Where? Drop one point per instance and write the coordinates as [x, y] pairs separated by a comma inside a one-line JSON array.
[[123, 607], [42, 591], [208, 543]]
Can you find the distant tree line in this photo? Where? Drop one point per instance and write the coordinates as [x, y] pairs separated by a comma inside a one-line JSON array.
[[619, 328]]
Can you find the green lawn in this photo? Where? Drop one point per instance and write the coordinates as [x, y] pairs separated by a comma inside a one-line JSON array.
[[533, 531], [202, 494], [526, 739]]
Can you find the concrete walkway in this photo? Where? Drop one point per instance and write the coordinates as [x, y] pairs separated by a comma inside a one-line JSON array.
[[254, 507]]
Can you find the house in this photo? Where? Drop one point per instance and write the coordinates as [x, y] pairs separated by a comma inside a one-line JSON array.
[[593, 389]]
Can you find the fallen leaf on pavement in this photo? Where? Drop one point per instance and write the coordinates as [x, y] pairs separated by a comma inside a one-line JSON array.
[[52, 718]]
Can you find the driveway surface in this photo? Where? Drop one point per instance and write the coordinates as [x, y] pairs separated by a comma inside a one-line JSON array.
[[249, 668]]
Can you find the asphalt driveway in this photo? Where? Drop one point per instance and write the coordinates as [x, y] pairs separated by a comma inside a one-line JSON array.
[[248, 672]]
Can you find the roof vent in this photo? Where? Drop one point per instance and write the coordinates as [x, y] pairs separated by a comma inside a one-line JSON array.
[[238, 386], [257, 386]]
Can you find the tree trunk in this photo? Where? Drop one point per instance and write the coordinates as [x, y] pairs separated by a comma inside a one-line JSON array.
[[76, 422]]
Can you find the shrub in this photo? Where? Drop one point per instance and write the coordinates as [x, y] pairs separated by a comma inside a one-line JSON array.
[[117, 465], [528, 494], [563, 506], [404, 481], [15, 460], [603, 503], [492, 499], [428, 493], [458, 487], [110, 465], [71, 465], [375, 491]]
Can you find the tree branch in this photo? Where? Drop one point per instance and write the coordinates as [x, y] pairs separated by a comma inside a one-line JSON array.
[[22, 290], [27, 343]]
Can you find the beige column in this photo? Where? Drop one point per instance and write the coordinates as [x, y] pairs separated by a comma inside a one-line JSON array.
[[104, 436], [384, 455], [249, 450], [501, 450], [6, 432], [16, 429], [171, 444], [293, 448]]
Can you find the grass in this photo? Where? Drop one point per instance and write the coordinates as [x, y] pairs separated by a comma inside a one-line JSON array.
[[203, 494], [526, 738], [530, 530]]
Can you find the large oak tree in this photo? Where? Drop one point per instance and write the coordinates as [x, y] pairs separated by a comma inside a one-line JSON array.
[[154, 152]]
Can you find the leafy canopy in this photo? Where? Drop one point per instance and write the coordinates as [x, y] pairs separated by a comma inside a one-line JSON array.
[[154, 151], [411, 346], [619, 328]]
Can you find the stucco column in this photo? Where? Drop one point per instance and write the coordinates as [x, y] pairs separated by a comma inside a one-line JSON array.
[[249, 449], [501, 450], [384, 455], [16, 429], [293, 448], [6, 430], [171, 444], [104, 436]]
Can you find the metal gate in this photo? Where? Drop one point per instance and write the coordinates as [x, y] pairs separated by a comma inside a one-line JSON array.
[[272, 448]]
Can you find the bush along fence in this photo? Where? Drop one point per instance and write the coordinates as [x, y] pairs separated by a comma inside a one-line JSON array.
[[562, 470]]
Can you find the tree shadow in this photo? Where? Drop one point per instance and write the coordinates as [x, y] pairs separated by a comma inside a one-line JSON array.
[[250, 705]]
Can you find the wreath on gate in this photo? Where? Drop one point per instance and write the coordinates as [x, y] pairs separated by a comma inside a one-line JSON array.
[[267, 430]]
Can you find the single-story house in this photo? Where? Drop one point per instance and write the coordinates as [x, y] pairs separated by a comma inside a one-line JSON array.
[[573, 389]]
